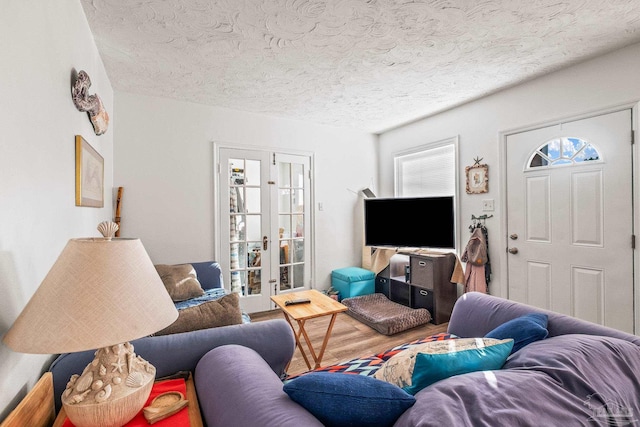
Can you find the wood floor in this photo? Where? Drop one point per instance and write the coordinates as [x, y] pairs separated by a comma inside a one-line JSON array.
[[349, 339]]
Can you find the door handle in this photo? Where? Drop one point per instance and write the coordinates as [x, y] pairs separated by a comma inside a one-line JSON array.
[[513, 250], [265, 243]]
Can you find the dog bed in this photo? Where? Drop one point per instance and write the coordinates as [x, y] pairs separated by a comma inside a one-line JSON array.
[[384, 315]]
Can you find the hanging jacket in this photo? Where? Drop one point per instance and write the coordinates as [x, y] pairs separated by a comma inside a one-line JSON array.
[[476, 256], [476, 250], [487, 266], [474, 279]]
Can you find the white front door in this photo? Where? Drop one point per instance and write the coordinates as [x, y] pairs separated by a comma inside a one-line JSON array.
[[264, 214], [570, 218]]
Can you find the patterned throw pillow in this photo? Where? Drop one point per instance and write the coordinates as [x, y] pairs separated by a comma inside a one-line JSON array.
[[388, 354], [366, 366], [362, 366], [424, 364]]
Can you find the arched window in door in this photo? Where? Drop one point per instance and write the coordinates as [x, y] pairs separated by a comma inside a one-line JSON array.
[[563, 151]]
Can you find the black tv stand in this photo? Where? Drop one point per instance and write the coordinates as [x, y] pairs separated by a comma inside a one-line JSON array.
[[428, 286]]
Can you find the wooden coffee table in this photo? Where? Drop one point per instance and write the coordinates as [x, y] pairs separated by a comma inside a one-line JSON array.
[[320, 305]]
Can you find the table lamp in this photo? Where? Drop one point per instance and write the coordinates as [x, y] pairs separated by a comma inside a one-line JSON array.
[[100, 293]]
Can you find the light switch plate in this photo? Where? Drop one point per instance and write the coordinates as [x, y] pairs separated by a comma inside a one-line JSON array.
[[487, 205]]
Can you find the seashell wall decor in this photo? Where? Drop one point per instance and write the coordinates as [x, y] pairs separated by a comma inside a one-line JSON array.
[[92, 104]]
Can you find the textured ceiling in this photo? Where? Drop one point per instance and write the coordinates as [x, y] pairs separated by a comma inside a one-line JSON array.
[[366, 64]]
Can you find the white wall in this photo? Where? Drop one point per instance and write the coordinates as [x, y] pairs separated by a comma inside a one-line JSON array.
[[164, 161], [41, 44], [606, 81]]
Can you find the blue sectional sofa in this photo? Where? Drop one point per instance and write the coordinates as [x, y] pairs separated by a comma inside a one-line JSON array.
[[581, 374]]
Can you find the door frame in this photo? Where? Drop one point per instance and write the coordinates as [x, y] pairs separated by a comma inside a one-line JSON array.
[[215, 169], [502, 173]]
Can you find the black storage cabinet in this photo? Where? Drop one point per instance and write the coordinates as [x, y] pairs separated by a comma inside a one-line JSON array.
[[428, 286]]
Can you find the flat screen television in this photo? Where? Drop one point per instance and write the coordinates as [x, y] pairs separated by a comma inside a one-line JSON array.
[[419, 222]]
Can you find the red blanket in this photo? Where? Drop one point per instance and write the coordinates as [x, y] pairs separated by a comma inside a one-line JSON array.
[[181, 419]]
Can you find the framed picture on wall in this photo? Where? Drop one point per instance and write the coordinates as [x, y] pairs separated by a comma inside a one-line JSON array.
[[89, 175], [477, 179]]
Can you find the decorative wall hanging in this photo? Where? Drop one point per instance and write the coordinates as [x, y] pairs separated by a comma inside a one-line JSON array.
[[89, 175], [92, 104], [477, 177]]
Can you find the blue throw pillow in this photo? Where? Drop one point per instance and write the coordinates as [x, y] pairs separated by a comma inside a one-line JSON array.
[[524, 330], [349, 400]]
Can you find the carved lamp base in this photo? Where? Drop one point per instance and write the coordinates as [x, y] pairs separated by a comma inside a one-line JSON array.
[[112, 389]]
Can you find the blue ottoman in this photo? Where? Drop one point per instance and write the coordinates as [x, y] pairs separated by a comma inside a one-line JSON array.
[[353, 281]]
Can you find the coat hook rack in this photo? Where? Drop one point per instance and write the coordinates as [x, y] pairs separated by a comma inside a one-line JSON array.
[[478, 221], [481, 217]]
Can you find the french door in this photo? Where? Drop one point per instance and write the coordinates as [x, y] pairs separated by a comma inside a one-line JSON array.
[[264, 223]]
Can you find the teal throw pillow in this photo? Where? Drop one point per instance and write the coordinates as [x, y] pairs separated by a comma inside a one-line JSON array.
[[338, 400], [420, 366], [524, 330]]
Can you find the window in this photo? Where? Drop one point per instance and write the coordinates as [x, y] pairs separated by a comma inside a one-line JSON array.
[[563, 151], [429, 171]]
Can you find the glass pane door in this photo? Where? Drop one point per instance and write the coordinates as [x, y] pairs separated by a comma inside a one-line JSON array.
[[245, 226], [245, 238], [293, 222]]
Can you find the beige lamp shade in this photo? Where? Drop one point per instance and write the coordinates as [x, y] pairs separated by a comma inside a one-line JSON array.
[[98, 293]]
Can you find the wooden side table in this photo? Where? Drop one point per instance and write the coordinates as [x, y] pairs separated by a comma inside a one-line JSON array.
[[37, 408], [320, 305], [195, 418]]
